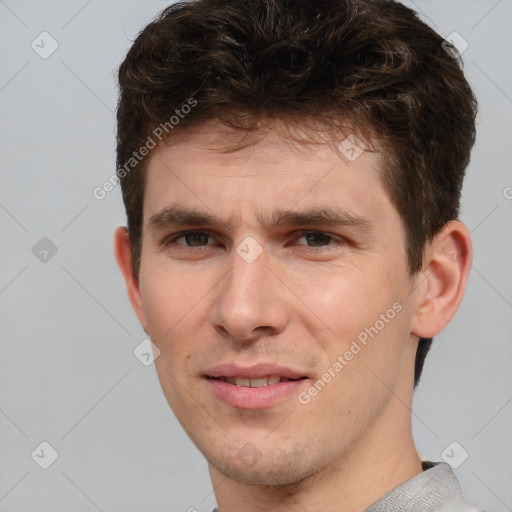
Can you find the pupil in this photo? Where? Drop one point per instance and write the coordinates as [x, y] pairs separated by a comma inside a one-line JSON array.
[[195, 237], [314, 237]]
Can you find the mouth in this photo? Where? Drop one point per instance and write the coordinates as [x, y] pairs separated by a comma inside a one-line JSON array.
[[260, 386], [261, 382]]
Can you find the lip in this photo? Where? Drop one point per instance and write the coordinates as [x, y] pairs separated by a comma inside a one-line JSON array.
[[265, 397], [255, 371]]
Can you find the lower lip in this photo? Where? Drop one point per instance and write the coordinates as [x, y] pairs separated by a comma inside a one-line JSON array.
[[255, 398]]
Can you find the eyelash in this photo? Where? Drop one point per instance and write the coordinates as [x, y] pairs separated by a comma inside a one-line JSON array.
[[172, 239]]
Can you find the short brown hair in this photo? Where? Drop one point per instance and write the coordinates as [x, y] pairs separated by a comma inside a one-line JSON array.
[[372, 63]]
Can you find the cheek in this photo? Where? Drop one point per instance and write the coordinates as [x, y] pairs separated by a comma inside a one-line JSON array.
[[368, 317], [349, 302], [371, 322], [168, 299], [177, 307], [168, 294]]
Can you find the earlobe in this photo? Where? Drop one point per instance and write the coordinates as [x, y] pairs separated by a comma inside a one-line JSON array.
[[122, 251], [441, 284]]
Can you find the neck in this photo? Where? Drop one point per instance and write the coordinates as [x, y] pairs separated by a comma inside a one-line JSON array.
[[384, 458]]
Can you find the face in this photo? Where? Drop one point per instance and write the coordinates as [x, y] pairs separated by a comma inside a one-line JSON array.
[[274, 282]]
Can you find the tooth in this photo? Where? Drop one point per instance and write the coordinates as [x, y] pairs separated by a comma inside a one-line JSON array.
[[284, 379], [258, 383], [240, 381], [231, 380], [273, 379]]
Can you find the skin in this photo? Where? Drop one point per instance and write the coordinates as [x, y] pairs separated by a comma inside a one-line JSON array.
[[301, 304]]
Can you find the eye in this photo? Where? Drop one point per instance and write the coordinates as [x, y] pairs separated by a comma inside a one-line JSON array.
[[201, 239], [319, 239], [191, 238]]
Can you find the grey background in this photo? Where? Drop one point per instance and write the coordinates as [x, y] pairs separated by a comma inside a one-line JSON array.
[[68, 375]]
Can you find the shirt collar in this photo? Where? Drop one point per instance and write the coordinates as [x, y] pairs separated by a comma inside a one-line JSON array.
[[434, 487]]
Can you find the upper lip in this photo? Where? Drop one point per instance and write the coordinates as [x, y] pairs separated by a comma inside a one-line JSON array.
[[255, 371]]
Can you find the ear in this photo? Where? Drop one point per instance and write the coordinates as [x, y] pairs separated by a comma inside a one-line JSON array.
[[440, 285], [123, 253]]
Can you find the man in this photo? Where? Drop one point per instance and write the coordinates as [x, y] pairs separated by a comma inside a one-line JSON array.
[[291, 173]]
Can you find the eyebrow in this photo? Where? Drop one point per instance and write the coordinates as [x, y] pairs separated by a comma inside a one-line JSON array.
[[175, 215]]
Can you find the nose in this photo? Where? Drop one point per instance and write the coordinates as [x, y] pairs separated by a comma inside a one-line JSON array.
[[251, 301]]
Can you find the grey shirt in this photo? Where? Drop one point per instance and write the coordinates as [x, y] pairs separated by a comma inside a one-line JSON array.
[[434, 490]]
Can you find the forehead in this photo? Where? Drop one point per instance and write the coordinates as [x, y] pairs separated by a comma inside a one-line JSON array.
[[213, 167]]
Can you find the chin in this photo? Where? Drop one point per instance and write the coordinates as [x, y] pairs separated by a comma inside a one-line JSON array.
[[268, 469], [262, 476]]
